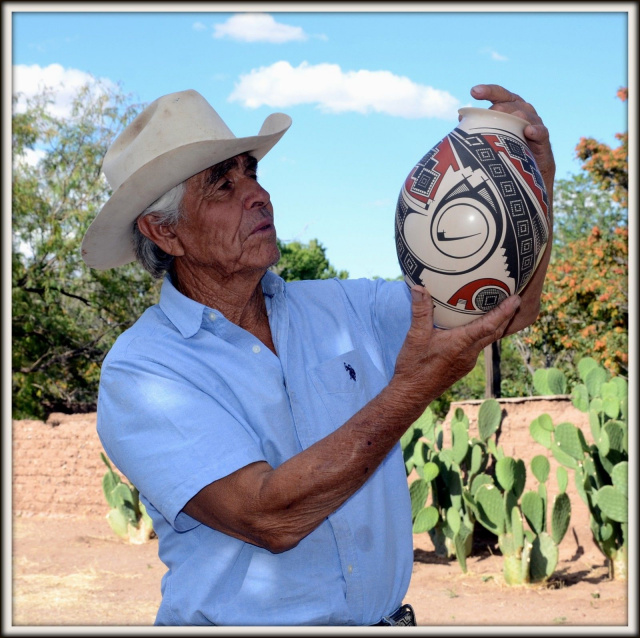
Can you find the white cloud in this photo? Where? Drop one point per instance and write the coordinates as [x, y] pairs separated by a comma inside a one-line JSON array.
[[496, 56], [65, 83], [336, 91], [258, 27], [493, 54], [198, 26]]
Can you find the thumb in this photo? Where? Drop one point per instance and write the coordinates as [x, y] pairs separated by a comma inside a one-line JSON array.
[[421, 311]]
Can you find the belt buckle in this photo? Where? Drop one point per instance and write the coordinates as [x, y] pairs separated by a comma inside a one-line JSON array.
[[403, 617]]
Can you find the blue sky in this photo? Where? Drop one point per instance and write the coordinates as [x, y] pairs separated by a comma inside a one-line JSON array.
[[370, 92]]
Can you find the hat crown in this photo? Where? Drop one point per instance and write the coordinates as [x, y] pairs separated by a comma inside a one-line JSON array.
[[172, 121]]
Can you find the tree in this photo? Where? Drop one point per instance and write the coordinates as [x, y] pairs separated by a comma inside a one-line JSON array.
[[585, 300], [608, 166], [585, 304], [305, 261], [581, 205], [65, 315]]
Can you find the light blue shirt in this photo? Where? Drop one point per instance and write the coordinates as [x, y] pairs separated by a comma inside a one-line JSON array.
[[187, 397]]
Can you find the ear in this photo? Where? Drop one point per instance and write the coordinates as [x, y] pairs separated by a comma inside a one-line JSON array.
[[161, 234]]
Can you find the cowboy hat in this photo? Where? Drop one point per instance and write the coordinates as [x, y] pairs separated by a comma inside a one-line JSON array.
[[175, 137]]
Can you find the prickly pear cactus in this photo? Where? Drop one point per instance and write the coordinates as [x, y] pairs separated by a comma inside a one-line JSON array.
[[549, 381], [128, 516], [445, 476], [529, 555], [474, 481], [600, 468]]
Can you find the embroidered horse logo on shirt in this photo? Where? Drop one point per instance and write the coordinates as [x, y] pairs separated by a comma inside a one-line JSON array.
[[351, 371]]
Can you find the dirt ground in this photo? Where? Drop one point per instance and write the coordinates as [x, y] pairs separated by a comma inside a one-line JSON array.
[[69, 569]]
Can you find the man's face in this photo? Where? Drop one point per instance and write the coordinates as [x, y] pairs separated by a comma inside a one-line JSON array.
[[227, 220]]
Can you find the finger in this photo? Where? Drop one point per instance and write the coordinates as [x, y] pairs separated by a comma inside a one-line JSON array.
[[494, 93], [537, 133], [491, 327], [505, 101]]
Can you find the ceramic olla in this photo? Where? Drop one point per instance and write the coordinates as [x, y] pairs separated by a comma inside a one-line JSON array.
[[472, 219]]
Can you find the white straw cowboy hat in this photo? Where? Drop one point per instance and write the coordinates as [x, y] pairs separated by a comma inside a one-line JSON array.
[[174, 138]]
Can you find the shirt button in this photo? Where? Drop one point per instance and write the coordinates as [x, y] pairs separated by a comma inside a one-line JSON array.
[[212, 316], [256, 348]]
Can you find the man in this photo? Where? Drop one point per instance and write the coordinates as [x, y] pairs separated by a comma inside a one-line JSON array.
[[261, 420]]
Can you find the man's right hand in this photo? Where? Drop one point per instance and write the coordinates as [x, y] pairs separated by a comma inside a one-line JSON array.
[[432, 360]]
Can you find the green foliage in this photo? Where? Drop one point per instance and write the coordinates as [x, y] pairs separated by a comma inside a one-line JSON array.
[[516, 380], [445, 472], [579, 204], [489, 418], [600, 468], [305, 261], [128, 516], [500, 506], [549, 381], [65, 316], [472, 480]]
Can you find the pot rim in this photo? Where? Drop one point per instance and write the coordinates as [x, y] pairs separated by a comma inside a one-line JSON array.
[[476, 110]]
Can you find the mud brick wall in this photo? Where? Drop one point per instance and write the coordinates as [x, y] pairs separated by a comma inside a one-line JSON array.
[[57, 469]]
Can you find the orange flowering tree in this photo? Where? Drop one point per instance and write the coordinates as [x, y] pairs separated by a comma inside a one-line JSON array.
[[585, 304], [585, 299], [608, 166]]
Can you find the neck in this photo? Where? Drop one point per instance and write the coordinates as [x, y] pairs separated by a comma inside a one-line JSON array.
[[238, 297]]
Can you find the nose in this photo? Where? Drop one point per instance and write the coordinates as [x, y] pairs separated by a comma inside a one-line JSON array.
[[256, 196]]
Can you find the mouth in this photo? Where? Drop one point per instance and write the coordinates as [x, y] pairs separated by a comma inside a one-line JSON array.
[[264, 227]]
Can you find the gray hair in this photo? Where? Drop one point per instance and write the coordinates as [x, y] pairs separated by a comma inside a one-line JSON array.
[[167, 209]]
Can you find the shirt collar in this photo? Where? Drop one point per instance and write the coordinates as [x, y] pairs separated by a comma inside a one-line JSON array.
[[186, 314], [272, 284]]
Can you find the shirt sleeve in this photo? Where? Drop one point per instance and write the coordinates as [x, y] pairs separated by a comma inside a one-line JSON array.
[[168, 437]]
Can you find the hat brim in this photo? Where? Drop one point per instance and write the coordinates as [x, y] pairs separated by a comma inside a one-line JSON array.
[[108, 242]]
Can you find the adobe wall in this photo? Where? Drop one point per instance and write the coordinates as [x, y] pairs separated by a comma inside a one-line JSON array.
[[57, 469]]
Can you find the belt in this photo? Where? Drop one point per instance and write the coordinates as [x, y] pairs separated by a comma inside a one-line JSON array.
[[403, 617]]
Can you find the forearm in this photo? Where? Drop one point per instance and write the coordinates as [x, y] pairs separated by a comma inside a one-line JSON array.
[[281, 506], [334, 468]]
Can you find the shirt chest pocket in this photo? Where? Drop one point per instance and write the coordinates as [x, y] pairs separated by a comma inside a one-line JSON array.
[[345, 384]]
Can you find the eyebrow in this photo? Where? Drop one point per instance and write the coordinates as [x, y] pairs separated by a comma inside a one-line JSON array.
[[218, 171]]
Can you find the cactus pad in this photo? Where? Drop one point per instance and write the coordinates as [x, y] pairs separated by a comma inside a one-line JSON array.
[[544, 558], [560, 517], [426, 520], [490, 508], [540, 467], [533, 509], [489, 418], [613, 503]]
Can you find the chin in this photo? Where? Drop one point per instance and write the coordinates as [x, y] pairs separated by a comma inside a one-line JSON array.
[[275, 259]]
